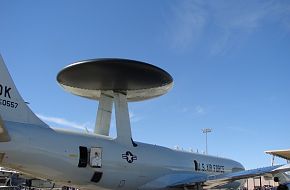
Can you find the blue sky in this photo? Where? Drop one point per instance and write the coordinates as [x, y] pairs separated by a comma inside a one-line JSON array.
[[229, 61]]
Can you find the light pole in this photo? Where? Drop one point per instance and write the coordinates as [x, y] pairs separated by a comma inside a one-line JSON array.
[[206, 130]]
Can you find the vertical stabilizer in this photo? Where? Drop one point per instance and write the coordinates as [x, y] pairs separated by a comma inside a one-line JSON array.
[[12, 106]]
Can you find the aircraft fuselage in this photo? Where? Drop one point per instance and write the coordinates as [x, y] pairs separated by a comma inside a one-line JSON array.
[[52, 154]]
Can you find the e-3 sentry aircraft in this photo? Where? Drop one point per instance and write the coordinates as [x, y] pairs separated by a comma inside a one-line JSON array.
[[97, 161]]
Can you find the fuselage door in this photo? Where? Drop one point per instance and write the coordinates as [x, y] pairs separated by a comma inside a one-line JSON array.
[[96, 157]]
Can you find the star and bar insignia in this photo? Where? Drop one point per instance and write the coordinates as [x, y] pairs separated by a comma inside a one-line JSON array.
[[129, 157]]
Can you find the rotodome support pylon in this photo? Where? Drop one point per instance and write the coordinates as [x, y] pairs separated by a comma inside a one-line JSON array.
[[103, 121]]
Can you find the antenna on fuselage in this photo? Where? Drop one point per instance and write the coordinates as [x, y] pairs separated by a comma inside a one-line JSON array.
[[115, 82]]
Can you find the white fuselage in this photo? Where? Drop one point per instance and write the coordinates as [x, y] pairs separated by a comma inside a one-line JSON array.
[[52, 154]]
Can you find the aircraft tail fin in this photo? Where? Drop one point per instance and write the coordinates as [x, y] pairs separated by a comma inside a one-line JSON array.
[[12, 106]]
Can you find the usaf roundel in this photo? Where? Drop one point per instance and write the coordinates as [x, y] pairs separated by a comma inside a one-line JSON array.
[[129, 157]]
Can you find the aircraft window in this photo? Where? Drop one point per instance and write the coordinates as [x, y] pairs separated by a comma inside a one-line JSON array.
[[96, 157], [195, 165], [83, 161]]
